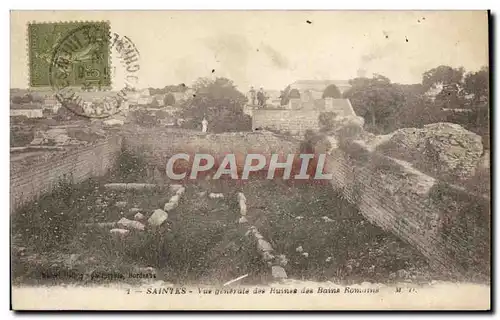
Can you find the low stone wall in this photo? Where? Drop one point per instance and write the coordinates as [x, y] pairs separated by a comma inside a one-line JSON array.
[[294, 121], [33, 176], [158, 145], [449, 225]]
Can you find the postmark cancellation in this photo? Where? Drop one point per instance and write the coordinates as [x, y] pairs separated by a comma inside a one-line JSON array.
[[69, 55]]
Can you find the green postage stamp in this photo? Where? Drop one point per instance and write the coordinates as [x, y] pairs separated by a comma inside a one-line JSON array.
[[69, 55]]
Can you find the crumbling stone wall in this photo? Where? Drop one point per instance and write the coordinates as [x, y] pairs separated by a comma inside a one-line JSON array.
[[158, 145], [30, 177], [402, 191], [296, 122], [448, 224]]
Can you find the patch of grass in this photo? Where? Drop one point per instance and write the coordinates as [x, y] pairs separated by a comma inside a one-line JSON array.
[[347, 249], [130, 167]]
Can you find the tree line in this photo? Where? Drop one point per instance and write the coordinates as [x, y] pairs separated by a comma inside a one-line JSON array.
[[445, 94]]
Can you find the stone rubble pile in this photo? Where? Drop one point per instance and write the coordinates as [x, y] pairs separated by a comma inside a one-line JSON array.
[[158, 217], [130, 186], [276, 262], [216, 195], [443, 150], [243, 207], [265, 249], [123, 226]]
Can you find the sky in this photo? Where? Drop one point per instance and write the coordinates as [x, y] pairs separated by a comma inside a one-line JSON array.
[[275, 48]]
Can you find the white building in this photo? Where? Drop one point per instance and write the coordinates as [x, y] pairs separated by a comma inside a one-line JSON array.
[[31, 110]]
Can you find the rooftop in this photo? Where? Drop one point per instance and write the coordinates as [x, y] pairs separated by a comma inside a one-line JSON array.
[[318, 85], [27, 106]]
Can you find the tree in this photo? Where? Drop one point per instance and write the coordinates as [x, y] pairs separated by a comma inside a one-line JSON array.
[[16, 99], [332, 92], [448, 82], [155, 103], [418, 109], [220, 102], [477, 85], [144, 118], [375, 99], [442, 75], [169, 100], [294, 94], [170, 88]]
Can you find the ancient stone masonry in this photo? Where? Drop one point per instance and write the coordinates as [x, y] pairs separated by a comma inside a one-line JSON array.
[[296, 122], [443, 150], [388, 177], [157, 218], [41, 173], [448, 224]]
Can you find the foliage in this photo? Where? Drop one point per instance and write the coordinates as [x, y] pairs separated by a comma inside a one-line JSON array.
[[449, 81], [220, 103], [170, 88], [375, 99], [477, 84], [21, 137], [169, 100], [143, 118], [155, 103], [294, 94], [332, 91], [130, 166], [326, 120], [314, 142], [27, 98], [442, 76]]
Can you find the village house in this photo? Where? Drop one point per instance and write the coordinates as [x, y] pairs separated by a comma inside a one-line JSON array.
[[313, 89], [51, 103], [160, 98], [302, 113], [144, 100], [30, 110]]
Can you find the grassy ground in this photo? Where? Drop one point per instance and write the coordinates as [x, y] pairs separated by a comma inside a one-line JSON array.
[[340, 244], [202, 242]]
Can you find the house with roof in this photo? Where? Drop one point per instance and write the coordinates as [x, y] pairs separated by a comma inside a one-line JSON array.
[[30, 110], [160, 98], [51, 103], [314, 88], [302, 113]]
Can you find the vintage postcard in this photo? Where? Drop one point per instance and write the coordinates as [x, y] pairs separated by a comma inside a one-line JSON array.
[[250, 160]]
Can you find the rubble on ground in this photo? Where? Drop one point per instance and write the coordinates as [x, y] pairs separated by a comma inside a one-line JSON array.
[[278, 272], [130, 186], [66, 136], [216, 195], [443, 150], [158, 217], [139, 216], [124, 222], [119, 231], [121, 204]]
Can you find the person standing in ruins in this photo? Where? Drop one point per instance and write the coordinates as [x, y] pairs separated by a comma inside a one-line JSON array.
[[261, 97], [251, 96], [204, 125]]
